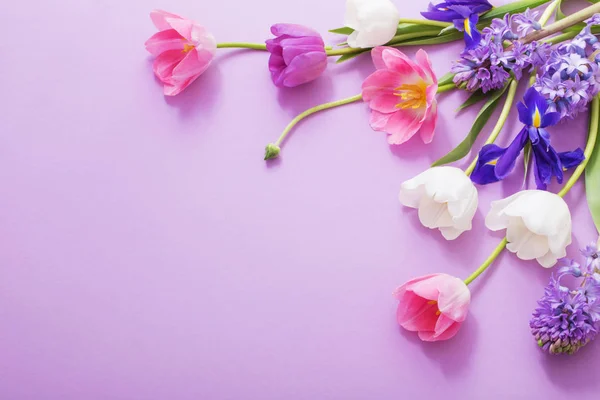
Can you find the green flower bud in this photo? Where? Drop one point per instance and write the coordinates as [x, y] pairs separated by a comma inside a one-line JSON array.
[[271, 151]]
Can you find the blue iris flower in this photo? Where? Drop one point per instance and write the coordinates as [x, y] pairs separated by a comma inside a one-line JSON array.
[[463, 13], [495, 162]]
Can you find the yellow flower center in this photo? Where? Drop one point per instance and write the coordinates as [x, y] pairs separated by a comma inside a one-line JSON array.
[[467, 26], [537, 118], [188, 47], [412, 96]]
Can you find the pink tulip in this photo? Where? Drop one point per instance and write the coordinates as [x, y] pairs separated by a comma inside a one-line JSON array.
[[433, 305], [401, 95], [183, 50]]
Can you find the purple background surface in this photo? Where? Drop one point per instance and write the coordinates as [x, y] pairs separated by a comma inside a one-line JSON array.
[[148, 252]]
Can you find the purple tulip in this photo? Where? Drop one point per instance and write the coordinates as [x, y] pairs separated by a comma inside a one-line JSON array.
[[297, 55]]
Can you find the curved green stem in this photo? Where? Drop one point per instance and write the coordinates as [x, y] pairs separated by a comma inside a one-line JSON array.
[[487, 262], [313, 110], [424, 22], [589, 147], [510, 98], [273, 149], [242, 45]]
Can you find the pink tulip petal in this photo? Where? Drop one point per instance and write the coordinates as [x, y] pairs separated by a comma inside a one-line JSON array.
[[416, 314], [380, 80], [166, 62], [385, 103], [427, 288], [377, 56], [428, 127], [159, 18], [396, 60], [430, 336], [454, 299], [423, 62], [403, 125], [192, 66], [164, 41], [182, 26], [400, 290], [443, 324], [378, 120]]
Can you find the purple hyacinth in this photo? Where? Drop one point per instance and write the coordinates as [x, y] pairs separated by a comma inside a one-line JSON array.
[[570, 78], [487, 66], [567, 319], [297, 55]]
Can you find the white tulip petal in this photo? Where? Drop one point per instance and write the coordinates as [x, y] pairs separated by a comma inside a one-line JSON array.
[[433, 214], [548, 260], [450, 233], [496, 219], [446, 199], [537, 223], [374, 22]]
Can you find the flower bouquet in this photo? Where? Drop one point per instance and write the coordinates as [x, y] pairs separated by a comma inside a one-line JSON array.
[[530, 43]]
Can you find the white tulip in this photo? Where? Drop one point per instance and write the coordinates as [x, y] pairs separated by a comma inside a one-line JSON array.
[[446, 199], [537, 223], [374, 22]]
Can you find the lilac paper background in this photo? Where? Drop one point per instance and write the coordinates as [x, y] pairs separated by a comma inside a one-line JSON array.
[[147, 251]]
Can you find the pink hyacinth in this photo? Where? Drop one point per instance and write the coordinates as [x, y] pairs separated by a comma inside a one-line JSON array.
[[183, 50], [401, 95], [297, 55], [433, 305]]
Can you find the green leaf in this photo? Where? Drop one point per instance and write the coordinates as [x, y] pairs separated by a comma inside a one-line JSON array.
[[592, 184], [347, 57], [446, 79], [342, 31], [473, 99], [413, 28], [449, 37], [448, 29], [512, 8], [465, 146]]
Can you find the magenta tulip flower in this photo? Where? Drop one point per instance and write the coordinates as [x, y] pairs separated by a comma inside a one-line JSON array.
[[183, 50], [297, 55], [434, 305], [401, 95]]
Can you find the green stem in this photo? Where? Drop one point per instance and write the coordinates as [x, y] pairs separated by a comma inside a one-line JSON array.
[[548, 12], [242, 45], [344, 51], [589, 147], [398, 39], [510, 98], [313, 110], [487, 262], [446, 88], [561, 38], [424, 22]]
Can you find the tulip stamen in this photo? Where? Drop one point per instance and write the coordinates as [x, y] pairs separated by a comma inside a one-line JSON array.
[[188, 47], [411, 96]]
